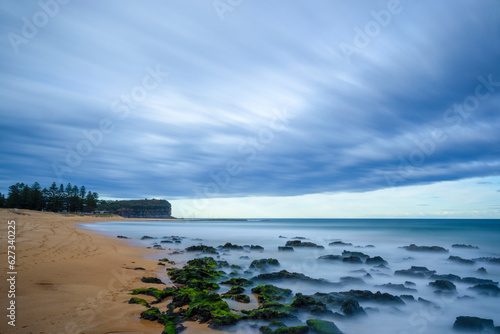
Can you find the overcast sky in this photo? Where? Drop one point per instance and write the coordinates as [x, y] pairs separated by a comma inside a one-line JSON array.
[[257, 108]]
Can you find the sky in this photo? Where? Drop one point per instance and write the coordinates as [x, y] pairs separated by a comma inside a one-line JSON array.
[[238, 108]]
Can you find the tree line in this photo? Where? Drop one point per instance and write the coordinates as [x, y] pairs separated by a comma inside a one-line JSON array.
[[55, 198]]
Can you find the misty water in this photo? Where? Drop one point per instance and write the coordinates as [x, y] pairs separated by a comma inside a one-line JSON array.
[[384, 238]]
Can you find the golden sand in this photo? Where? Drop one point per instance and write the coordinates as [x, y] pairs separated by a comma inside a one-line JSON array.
[[71, 280]]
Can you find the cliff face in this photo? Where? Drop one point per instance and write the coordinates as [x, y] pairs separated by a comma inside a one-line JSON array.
[[147, 208]]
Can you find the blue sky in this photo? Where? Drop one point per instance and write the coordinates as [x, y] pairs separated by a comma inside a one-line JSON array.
[[257, 108]]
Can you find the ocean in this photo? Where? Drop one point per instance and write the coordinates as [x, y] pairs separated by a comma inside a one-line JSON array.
[[436, 313]]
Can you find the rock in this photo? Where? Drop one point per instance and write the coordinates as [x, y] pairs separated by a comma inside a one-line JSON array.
[[495, 260], [464, 246], [350, 279], [230, 246], [268, 314], [136, 300], [292, 330], [428, 303], [153, 280], [256, 248], [166, 242], [474, 324], [244, 257], [449, 277], [202, 248], [285, 249], [152, 314], [458, 259], [352, 259], [410, 283], [269, 293], [414, 271], [238, 281], [139, 268], [322, 327], [330, 257], [283, 274], [352, 308], [407, 297], [146, 237], [235, 290], [339, 243], [356, 254], [365, 295], [486, 289], [474, 280], [241, 298], [264, 263], [282, 237], [415, 248], [301, 301], [299, 238], [298, 243], [443, 285], [376, 260], [122, 237], [397, 287], [482, 270], [158, 294]]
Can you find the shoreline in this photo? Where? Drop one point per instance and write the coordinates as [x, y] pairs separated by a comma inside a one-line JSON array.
[[73, 280]]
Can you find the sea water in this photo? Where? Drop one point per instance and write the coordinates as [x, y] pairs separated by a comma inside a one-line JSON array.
[[386, 235]]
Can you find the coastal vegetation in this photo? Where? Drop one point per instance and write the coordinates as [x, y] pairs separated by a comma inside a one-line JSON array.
[[76, 199], [69, 198]]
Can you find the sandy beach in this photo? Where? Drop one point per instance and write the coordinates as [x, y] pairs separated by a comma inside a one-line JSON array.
[[71, 280]]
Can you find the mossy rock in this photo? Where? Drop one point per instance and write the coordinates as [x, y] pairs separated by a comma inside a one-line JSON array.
[[163, 259], [323, 327], [140, 301], [269, 314], [265, 330], [238, 281], [235, 267], [241, 298], [268, 293], [292, 330], [188, 273], [170, 328], [202, 285], [204, 262], [153, 280], [152, 314], [202, 248], [158, 294], [264, 263], [161, 264], [235, 290]]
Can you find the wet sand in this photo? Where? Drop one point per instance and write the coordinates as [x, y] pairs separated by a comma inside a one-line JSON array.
[[70, 280]]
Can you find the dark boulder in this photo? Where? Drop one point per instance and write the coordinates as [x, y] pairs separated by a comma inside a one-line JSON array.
[[415, 248], [264, 263], [472, 324], [486, 289], [460, 260], [330, 257], [464, 246], [339, 243], [414, 271], [352, 308], [352, 259], [298, 243], [285, 248], [376, 260], [443, 285], [322, 327]]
